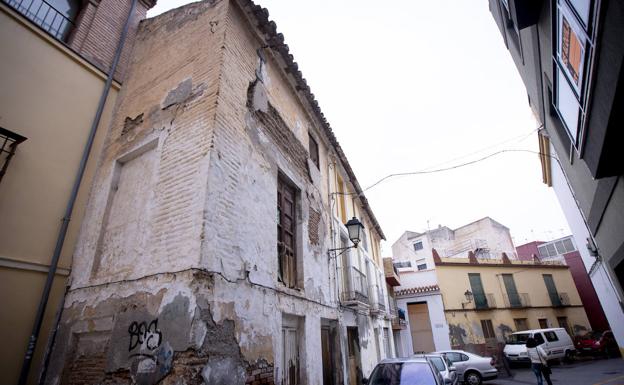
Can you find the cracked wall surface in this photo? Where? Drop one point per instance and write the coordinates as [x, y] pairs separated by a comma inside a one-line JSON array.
[[175, 277]]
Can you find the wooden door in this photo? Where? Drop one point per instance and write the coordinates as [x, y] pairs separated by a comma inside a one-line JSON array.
[[420, 327], [354, 356], [326, 351]]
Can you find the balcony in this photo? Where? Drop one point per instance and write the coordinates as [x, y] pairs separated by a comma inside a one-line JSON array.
[[398, 320], [355, 288], [516, 300], [391, 273], [379, 305], [484, 301], [57, 22], [559, 299]]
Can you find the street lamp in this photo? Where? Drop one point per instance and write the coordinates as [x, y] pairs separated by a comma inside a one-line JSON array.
[[354, 228], [469, 297]]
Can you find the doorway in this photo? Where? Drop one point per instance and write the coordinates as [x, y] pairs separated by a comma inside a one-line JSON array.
[[420, 327], [355, 365], [329, 355]]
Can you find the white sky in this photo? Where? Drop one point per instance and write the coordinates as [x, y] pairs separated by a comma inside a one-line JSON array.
[[414, 84]]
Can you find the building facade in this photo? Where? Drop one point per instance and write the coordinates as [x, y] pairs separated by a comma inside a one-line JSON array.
[[569, 55], [475, 290], [56, 61], [486, 300], [419, 294], [214, 245], [564, 250]]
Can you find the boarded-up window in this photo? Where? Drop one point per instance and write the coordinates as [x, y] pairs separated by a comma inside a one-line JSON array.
[[286, 232], [488, 329], [314, 151], [125, 232]]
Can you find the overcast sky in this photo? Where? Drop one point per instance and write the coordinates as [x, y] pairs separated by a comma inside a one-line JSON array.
[[410, 85]]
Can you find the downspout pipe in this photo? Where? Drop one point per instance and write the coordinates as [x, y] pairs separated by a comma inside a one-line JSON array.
[[60, 240]]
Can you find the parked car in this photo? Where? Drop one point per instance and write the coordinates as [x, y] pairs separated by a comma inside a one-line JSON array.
[[597, 343], [556, 342], [471, 368], [443, 365], [404, 371]]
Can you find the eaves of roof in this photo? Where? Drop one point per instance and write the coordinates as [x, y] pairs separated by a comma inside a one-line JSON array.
[[417, 290], [275, 41]]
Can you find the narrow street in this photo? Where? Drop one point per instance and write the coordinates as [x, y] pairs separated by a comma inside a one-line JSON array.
[[598, 372]]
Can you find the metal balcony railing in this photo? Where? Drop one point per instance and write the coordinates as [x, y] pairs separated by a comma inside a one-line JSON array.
[[54, 21], [8, 145], [516, 300], [559, 299], [378, 303], [356, 286], [398, 320], [484, 301]]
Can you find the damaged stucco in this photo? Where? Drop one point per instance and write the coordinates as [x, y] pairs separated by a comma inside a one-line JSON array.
[[175, 273]]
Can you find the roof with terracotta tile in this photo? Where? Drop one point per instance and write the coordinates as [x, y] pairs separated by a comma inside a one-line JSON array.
[[275, 41], [417, 290]]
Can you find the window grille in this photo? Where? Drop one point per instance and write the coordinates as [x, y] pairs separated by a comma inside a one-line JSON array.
[[56, 17], [8, 145]]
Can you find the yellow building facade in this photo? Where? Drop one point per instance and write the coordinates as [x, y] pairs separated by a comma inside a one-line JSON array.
[[50, 92], [486, 300]]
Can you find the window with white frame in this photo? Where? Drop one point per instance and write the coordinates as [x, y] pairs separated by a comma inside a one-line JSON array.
[[418, 246], [572, 45]]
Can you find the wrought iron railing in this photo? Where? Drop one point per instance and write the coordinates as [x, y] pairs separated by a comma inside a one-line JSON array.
[[484, 301], [8, 145], [516, 300], [57, 23], [559, 299], [356, 286]]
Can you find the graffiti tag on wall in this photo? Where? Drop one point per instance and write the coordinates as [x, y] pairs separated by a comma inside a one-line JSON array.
[[151, 357], [146, 336]]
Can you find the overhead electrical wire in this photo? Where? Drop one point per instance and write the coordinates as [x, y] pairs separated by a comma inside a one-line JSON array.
[[421, 172], [517, 139]]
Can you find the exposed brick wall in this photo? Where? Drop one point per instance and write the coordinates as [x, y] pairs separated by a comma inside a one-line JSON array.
[[98, 29], [284, 138], [86, 370], [260, 374], [313, 226]]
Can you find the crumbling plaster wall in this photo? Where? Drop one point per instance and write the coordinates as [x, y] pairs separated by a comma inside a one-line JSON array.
[[261, 130], [138, 308], [168, 104], [185, 288]]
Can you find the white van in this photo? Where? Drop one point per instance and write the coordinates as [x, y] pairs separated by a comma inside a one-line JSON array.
[[555, 341]]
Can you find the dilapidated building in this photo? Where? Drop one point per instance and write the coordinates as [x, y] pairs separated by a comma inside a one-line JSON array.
[[206, 251]]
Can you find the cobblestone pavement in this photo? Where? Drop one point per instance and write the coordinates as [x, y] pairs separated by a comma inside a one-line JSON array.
[[593, 372]]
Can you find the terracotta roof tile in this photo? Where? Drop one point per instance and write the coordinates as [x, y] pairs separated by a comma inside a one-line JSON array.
[[417, 290], [276, 43]]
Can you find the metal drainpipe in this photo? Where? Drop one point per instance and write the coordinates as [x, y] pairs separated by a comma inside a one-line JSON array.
[[32, 341]]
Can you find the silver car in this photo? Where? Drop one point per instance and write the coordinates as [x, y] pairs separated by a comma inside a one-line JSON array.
[[444, 367], [471, 368], [404, 371]]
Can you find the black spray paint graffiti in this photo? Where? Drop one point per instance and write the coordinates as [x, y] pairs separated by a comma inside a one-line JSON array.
[[144, 335]]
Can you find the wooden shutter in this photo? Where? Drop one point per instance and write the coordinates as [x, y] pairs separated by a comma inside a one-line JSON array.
[[286, 233]]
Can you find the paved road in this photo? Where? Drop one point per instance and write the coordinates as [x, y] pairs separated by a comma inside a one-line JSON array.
[[598, 372]]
